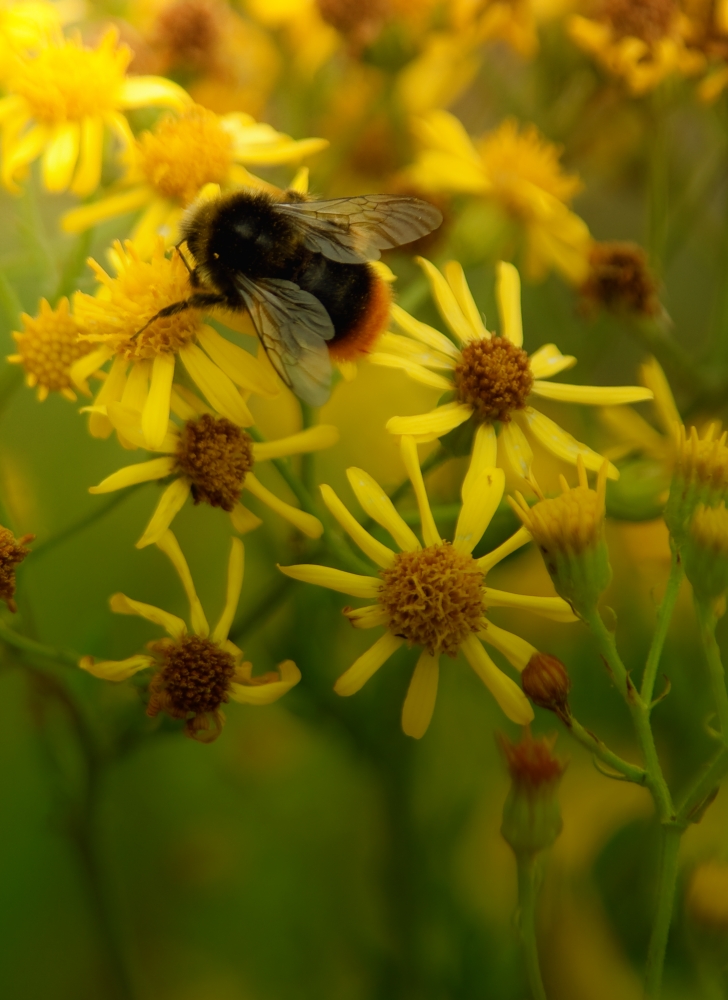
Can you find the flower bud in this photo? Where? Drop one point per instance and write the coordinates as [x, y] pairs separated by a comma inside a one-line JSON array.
[[700, 476], [705, 552], [531, 814], [569, 531], [546, 682]]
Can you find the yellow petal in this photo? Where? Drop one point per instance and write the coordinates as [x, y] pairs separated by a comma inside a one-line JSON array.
[[155, 415], [508, 295], [517, 450], [478, 509], [408, 450], [111, 391], [144, 472], [150, 225], [633, 429], [511, 544], [170, 504], [591, 395], [506, 692], [125, 421], [87, 365], [155, 91], [334, 579], [136, 390], [170, 546], [547, 607], [375, 502], [236, 567], [244, 520], [485, 451], [312, 439], [354, 679], [377, 552], [172, 625], [447, 303], [516, 650], [307, 523], [186, 404], [456, 279], [424, 333], [264, 694], [421, 695], [86, 216], [548, 361], [372, 616], [414, 370], [60, 156], [654, 378], [88, 174], [560, 443], [438, 421], [215, 385], [406, 347], [242, 367], [18, 155], [116, 670]]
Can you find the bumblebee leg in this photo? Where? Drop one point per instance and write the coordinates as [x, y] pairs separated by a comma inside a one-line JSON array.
[[199, 300]]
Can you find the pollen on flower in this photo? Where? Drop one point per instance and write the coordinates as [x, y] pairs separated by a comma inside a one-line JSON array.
[[649, 20], [216, 456], [192, 682], [184, 153], [47, 347], [494, 377], [433, 598], [12, 552], [620, 279], [69, 81]]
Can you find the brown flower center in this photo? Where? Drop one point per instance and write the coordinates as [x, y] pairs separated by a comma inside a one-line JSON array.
[[494, 377], [649, 20], [216, 456], [190, 31], [619, 278], [433, 597]]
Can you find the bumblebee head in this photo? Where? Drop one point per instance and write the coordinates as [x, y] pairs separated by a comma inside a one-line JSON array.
[[197, 225]]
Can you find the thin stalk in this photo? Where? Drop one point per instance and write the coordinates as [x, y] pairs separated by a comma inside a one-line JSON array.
[[84, 522], [667, 880], [268, 602], [664, 615], [74, 265], [703, 788], [527, 895], [26, 645], [592, 743], [707, 621]]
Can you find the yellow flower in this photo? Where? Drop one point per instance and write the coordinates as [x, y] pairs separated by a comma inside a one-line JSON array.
[[196, 670], [60, 102], [492, 376], [434, 596], [520, 171], [172, 164], [212, 459], [641, 41], [143, 367], [48, 347], [25, 27]]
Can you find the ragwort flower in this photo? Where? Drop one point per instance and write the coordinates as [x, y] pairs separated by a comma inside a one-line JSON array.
[[170, 166], [520, 171], [196, 670], [61, 100], [432, 596], [492, 377], [48, 346], [212, 460], [144, 354]]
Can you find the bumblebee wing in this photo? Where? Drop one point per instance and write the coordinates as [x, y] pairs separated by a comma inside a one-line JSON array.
[[293, 327], [355, 230]]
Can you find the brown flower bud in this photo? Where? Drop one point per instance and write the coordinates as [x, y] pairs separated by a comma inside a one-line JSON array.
[[531, 813], [12, 552], [546, 682]]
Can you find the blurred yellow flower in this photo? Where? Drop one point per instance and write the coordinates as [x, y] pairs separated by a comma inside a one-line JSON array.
[[707, 30], [144, 353], [212, 460], [25, 27], [491, 376], [519, 170], [47, 348], [59, 103], [434, 596], [641, 41], [634, 433], [196, 670], [172, 164]]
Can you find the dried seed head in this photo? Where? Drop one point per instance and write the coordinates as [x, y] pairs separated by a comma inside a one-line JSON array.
[[12, 552], [494, 377], [531, 813], [620, 279], [433, 598], [215, 455]]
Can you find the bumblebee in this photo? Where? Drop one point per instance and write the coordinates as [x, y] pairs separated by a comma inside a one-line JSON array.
[[301, 270]]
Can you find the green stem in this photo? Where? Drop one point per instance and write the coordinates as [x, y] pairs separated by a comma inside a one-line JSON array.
[[73, 268], [664, 615], [667, 880], [34, 648], [84, 522], [587, 739], [707, 621], [527, 895], [700, 794]]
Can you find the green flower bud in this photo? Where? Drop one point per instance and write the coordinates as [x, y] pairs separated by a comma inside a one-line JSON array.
[[531, 814], [640, 492], [705, 552]]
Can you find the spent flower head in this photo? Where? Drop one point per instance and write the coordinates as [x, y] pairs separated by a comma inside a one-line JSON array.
[[48, 347], [531, 813], [196, 670], [492, 378], [12, 552], [620, 280], [431, 596], [60, 102], [546, 682]]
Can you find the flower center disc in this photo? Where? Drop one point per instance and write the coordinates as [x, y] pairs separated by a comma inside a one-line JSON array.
[[216, 456], [494, 377], [649, 20], [195, 676], [433, 597]]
